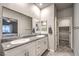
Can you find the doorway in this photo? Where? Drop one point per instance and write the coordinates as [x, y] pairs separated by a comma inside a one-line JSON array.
[[64, 36], [64, 31]]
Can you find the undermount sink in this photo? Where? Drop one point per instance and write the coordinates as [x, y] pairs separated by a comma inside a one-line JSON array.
[[19, 41], [40, 36]]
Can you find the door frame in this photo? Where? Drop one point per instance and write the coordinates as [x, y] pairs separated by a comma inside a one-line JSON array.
[[71, 33]]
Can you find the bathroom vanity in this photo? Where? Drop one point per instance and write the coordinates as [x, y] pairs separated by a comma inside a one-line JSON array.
[[27, 46]]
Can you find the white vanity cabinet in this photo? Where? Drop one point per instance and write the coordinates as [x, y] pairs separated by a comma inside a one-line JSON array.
[[24, 50], [34, 48]]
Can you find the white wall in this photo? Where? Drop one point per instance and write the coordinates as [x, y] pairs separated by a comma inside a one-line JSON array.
[[0, 23], [67, 12], [48, 14], [24, 22], [28, 9], [64, 17], [76, 29]]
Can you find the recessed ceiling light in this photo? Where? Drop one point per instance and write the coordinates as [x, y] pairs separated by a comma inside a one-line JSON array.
[[40, 4]]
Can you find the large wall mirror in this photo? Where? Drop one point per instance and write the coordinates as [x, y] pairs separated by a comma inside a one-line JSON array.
[[9, 25]]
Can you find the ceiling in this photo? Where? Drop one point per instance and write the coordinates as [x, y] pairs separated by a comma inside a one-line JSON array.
[[59, 6], [43, 5]]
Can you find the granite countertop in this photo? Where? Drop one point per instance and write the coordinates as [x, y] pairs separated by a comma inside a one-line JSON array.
[[8, 45], [11, 38]]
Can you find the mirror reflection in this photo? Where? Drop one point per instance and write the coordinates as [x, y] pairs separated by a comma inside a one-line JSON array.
[[9, 25]]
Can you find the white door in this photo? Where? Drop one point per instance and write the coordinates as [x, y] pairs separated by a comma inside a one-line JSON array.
[[71, 33], [56, 34]]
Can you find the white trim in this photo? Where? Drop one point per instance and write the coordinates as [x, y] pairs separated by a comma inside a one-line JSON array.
[[51, 50]]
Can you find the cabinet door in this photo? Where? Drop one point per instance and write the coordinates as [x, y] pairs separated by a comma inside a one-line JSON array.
[[45, 43], [30, 49], [40, 47], [18, 51]]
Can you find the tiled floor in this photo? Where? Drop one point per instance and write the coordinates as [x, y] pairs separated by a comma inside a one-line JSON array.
[[61, 51]]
